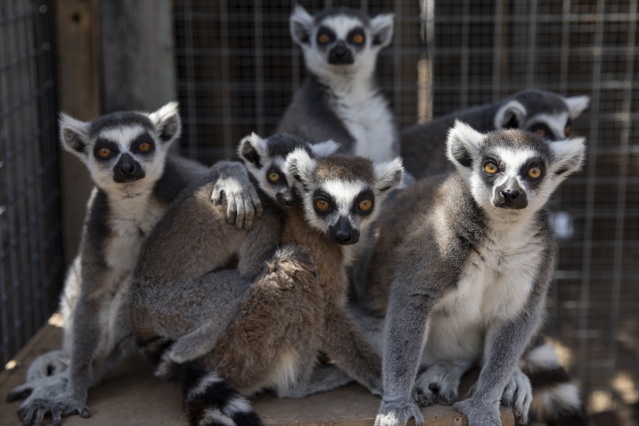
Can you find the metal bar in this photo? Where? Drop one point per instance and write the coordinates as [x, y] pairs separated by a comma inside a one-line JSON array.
[[532, 44], [190, 81], [498, 49], [463, 83], [227, 122], [582, 356], [622, 185], [259, 66]]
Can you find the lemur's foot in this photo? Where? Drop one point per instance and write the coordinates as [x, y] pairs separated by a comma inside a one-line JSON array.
[[518, 395], [397, 413], [34, 410], [479, 413], [438, 384]]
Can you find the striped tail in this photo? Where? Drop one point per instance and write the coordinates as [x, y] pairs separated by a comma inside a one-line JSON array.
[[556, 399], [209, 400]]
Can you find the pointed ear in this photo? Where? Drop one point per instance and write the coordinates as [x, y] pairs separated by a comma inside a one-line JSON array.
[[510, 116], [301, 24], [74, 135], [576, 105], [382, 29], [324, 149], [569, 156], [389, 175], [252, 150], [167, 122], [300, 166], [462, 144]]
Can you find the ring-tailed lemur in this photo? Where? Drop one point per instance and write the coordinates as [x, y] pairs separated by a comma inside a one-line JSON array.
[[135, 180], [468, 268], [339, 98], [545, 113], [251, 334]]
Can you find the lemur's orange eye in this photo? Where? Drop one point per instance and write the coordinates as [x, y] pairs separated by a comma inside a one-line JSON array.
[[104, 152], [568, 130], [534, 172], [358, 39], [144, 146], [322, 205], [323, 38], [491, 168], [273, 176], [365, 205], [541, 132]]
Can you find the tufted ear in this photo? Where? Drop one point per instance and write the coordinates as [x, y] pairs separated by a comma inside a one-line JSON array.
[[569, 156], [167, 122], [74, 136], [462, 145], [510, 116], [576, 105], [389, 175], [301, 25], [300, 166], [324, 149], [252, 150], [382, 29]]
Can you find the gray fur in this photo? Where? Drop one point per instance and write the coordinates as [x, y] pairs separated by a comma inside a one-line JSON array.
[[124, 207], [423, 145], [261, 324], [467, 279], [339, 98]]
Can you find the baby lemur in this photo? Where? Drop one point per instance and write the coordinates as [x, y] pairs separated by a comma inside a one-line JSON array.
[[339, 99], [468, 268], [135, 180], [261, 325], [545, 113]]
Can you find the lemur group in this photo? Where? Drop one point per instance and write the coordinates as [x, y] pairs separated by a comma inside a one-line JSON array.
[[322, 258]]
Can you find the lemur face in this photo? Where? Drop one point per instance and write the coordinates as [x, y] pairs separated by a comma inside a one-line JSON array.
[[341, 194], [544, 113], [341, 39], [265, 158], [123, 150], [512, 169]]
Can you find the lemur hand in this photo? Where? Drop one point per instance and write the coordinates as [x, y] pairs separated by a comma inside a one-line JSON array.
[[397, 413], [518, 395], [479, 412], [56, 405], [438, 384], [242, 201]]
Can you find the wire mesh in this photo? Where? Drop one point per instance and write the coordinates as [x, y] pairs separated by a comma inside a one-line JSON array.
[[238, 68], [30, 249]]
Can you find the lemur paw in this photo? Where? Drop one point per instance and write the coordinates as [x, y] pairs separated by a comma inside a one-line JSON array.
[[438, 384], [48, 364], [518, 395], [479, 413], [242, 201], [397, 413], [34, 410]]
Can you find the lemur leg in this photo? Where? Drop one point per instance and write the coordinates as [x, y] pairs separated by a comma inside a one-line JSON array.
[[440, 383], [405, 334], [323, 379], [345, 344]]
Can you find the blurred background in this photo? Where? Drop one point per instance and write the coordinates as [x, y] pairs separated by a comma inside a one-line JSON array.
[[233, 68]]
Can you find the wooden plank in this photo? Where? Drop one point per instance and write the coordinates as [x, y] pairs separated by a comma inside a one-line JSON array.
[[78, 54], [131, 395]]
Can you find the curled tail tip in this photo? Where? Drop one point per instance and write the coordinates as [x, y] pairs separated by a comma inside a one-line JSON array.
[[211, 401]]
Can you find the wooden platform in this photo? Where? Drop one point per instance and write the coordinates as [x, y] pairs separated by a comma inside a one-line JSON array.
[[132, 396]]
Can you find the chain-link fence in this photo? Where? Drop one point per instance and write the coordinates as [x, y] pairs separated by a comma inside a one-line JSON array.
[[30, 251], [238, 68]]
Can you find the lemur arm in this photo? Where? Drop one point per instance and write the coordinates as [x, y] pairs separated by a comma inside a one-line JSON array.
[[346, 345], [404, 338], [233, 184], [504, 346]]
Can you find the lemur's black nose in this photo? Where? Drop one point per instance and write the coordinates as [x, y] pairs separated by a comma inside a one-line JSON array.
[[340, 51], [343, 233], [127, 169], [510, 194]]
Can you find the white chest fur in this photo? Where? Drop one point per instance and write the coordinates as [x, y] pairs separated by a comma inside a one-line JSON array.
[[494, 286], [131, 220], [368, 119]]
